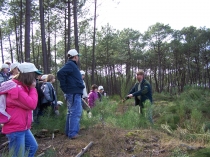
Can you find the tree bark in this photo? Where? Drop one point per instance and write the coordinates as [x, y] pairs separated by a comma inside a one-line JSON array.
[[2, 53], [93, 55], [10, 46], [69, 26], [27, 30], [44, 52], [21, 33]]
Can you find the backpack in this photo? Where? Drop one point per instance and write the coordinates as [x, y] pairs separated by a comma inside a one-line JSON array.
[[6, 86]]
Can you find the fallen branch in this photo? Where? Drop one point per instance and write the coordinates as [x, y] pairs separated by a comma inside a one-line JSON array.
[[46, 148], [41, 154], [3, 144], [84, 149]]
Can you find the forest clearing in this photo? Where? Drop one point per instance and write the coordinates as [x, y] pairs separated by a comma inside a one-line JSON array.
[[176, 64], [117, 130]]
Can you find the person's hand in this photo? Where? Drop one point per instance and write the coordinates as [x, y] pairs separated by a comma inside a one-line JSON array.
[[130, 95], [33, 85]]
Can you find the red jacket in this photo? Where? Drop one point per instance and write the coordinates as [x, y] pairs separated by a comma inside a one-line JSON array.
[[20, 102]]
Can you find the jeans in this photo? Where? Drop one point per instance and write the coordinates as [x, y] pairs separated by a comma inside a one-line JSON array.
[[74, 112], [22, 143]]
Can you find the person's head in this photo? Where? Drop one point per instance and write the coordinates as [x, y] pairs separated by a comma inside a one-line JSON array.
[[27, 73], [100, 89], [4, 68], [83, 74], [140, 75], [94, 87], [39, 74], [73, 55], [51, 78], [8, 63], [44, 78], [14, 68]]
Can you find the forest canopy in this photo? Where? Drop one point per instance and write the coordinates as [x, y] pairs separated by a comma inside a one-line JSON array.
[[42, 32]]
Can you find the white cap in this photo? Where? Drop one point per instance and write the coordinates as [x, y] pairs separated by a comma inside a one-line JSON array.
[[100, 88], [4, 66], [82, 72], [27, 67], [73, 52], [14, 65], [60, 103], [44, 77]]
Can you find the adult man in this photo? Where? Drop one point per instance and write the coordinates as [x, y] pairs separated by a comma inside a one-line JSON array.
[[72, 85], [142, 91]]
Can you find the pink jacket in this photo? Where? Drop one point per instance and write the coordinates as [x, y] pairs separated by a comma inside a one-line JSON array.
[[92, 97], [20, 102]]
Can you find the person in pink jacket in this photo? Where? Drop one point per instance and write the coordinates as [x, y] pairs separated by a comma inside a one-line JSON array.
[[93, 96], [19, 106]]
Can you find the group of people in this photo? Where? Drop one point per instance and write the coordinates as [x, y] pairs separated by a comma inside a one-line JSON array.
[[96, 93], [72, 84], [29, 94]]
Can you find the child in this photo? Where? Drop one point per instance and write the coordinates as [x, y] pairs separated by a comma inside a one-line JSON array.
[[20, 102], [50, 98], [93, 96], [100, 91]]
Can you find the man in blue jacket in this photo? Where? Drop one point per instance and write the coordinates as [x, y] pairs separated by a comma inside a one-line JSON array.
[[71, 84]]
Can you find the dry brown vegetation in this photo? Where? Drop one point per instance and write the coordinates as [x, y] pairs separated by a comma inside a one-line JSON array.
[[114, 142]]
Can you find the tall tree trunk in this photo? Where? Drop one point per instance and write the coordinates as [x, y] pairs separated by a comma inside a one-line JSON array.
[[10, 46], [44, 52], [69, 26], [2, 53], [48, 54], [33, 49], [56, 68], [27, 30], [128, 65], [65, 49], [76, 42], [21, 29], [17, 40], [94, 38]]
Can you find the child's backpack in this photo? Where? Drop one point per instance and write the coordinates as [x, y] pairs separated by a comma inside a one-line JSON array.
[[5, 86]]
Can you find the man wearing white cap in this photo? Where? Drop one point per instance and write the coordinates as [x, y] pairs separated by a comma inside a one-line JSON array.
[[72, 85], [4, 73]]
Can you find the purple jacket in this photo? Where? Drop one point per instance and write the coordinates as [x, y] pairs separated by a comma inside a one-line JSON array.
[[92, 97]]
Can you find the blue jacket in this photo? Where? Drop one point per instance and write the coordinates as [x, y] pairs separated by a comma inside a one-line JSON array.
[[70, 78], [49, 93], [3, 77]]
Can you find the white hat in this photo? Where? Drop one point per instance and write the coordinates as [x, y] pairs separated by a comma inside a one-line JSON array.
[[60, 103], [14, 65], [73, 52], [27, 67], [4, 66], [44, 77], [82, 72], [100, 88]]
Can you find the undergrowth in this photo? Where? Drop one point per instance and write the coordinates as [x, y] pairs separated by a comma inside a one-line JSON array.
[[185, 116]]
